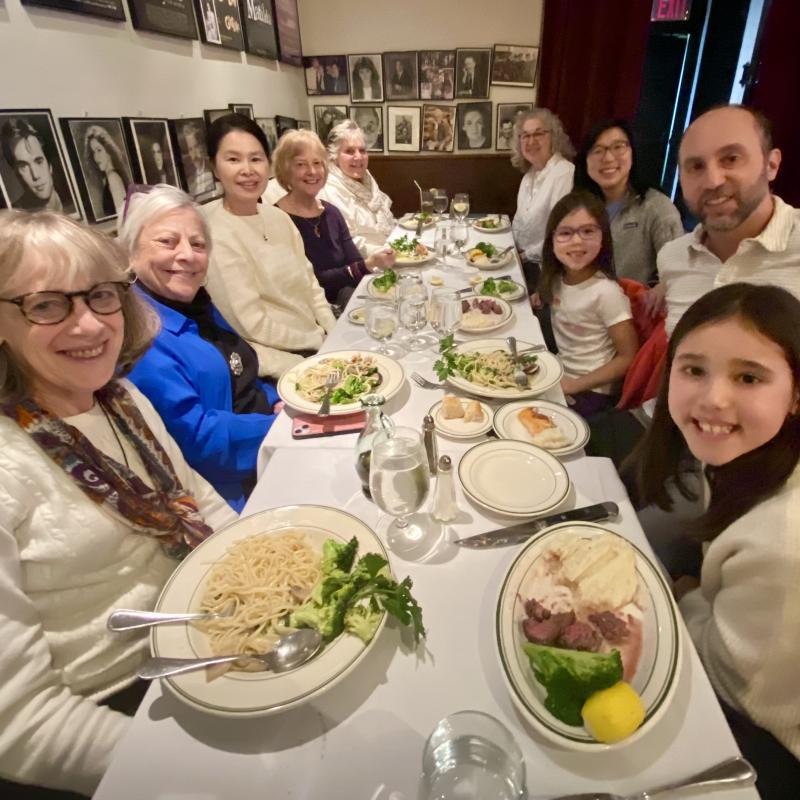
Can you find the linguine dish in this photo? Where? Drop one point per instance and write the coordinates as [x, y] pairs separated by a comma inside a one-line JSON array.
[[359, 375], [494, 369]]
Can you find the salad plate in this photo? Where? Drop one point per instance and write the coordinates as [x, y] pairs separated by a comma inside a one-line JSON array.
[[253, 694], [410, 252], [484, 255], [390, 372], [659, 661], [492, 223], [456, 427], [358, 316], [506, 289], [572, 426], [410, 221], [385, 287]]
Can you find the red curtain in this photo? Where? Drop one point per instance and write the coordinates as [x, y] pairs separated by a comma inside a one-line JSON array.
[[592, 59], [775, 91]]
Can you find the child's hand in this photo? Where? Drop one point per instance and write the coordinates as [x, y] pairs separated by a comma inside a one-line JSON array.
[[535, 300], [570, 385]]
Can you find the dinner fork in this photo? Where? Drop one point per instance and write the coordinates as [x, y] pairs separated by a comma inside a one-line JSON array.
[[331, 381], [520, 378], [424, 382]]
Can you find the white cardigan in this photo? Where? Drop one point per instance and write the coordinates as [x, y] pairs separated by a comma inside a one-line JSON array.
[[65, 564], [744, 619], [265, 287]]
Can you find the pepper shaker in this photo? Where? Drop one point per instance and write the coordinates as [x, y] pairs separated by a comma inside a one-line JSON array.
[[429, 440], [444, 501]]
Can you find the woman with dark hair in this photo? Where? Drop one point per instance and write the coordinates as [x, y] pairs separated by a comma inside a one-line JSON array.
[[643, 219], [731, 399], [366, 80], [259, 277], [107, 164]]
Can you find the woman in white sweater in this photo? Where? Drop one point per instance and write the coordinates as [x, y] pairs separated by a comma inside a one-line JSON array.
[[96, 500], [259, 277], [732, 397]]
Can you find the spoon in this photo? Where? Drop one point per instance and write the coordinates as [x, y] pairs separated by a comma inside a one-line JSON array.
[[290, 651], [126, 619]]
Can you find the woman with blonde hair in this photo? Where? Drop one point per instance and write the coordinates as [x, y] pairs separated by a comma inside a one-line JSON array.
[[96, 500], [301, 167], [107, 164]]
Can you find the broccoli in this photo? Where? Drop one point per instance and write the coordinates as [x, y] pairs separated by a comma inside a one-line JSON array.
[[337, 556], [571, 677], [362, 621]]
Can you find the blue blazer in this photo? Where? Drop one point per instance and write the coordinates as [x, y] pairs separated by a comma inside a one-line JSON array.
[[188, 381]]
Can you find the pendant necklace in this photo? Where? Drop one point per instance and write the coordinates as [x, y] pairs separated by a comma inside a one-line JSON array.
[[116, 436]]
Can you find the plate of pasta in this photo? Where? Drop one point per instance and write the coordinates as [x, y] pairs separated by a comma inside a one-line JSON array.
[[303, 386], [484, 367], [273, 560]]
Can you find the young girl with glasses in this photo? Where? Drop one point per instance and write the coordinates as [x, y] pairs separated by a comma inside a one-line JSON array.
[[591, 315]]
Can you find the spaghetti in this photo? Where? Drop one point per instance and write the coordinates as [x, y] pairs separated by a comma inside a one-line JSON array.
[[493, 369], [358, 375]]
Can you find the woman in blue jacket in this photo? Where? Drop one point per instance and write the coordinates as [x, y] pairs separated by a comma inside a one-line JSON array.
[[201, 376]]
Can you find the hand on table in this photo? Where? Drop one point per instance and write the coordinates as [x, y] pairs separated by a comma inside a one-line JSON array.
[[381, 259], [655, 300], [683, 585], [570, 385], [535, 301]]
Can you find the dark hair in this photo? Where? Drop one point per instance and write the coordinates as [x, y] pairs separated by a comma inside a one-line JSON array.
[[763, 125], [375, 82], [742, 483], [16, 130], [582, 179], [551, 266], [221, 127]]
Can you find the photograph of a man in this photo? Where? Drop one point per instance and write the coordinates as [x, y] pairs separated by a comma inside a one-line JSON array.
[[400, 70], [370, 120], [472, 72], [191, 137], [32, 169]]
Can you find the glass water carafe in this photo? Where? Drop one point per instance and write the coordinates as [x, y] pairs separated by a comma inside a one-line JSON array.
[[376, 422]]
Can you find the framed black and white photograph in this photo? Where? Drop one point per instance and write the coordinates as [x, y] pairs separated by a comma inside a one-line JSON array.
[[304, 125], [176, 20], [325, 75], [288, 23], [220, 23], [472, 71], [267, 124], [260, 31], [245, 109], [401, 75], [100, 163], [474, 126], [507, 114], [366, 78], [33, 171], [437, 70], [514, 65], [151, 151], [212, 114], [403, 124], [370, 120], [109, 9], [325, 117], [189, 136], [284, 124], [438, 128]]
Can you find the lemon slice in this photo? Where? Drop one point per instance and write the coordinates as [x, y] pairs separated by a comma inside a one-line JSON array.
[[613, 714]]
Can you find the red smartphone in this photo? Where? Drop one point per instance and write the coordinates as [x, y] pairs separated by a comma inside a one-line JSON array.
[[308, 426]]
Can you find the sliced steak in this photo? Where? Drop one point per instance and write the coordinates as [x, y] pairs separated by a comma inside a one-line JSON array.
[[612, 628], [580, 636], [535, 610]]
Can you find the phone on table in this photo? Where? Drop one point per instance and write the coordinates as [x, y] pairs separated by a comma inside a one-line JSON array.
[[308, 426]]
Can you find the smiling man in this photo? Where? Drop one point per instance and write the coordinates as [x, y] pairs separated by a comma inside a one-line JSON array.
[[727, 162]]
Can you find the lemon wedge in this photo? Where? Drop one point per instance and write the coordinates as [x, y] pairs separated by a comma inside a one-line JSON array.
[[613, 714]]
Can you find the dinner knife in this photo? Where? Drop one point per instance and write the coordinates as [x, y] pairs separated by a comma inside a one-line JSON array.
[[516, 534]]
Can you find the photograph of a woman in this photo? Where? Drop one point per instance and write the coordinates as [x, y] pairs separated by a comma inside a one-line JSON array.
[[366, 78], [152, 149], [474, 126]]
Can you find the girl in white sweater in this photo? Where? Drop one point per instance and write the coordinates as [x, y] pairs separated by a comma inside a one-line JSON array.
[[732, 398]]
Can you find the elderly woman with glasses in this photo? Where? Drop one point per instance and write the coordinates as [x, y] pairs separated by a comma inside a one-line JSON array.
[[353, 190], [643, 219], [96, 500], [201, 376]]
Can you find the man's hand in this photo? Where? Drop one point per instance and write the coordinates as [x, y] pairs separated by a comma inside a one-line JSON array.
[[655, 300]]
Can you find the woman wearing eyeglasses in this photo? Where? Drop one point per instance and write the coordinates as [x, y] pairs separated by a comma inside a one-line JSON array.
[[541, 149], [642, 218], [97, 503]]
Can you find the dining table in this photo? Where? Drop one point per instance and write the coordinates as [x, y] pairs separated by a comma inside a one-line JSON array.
[[363, 739]]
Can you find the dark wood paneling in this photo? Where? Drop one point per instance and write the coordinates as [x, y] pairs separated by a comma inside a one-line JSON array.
[[490, 180]]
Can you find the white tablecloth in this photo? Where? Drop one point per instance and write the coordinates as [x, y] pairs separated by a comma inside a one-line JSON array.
[[363, 740]]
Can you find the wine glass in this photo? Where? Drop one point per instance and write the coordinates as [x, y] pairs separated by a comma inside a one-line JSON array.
[[440, 202], [381, 322], [414, 317], [410, 284], [399, 481], [444, 311], [459, 234], [460, 206], [441, 240]]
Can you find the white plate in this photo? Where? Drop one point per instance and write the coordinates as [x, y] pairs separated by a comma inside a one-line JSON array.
[[389, 295], [519, 291], [410, 222], [358, 315], [572, 425], [457, 428], [414, 261], [659, 664], [504, 224], [513, 478], [484, 262], [254, 694], [497, 320], [547, 376], [391, 372]]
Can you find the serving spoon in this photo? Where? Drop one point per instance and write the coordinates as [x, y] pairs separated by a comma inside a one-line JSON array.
[[289, 652]]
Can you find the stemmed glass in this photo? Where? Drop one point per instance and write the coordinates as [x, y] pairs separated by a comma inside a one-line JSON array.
[[444, 311], [414, 317], [439, 201], [460, 206], [381, 323], [399, 481], [459, 234]]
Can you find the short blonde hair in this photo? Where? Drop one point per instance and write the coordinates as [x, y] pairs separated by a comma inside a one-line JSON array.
[[561, 142], [70, 252], [341, 134], [290, 145]]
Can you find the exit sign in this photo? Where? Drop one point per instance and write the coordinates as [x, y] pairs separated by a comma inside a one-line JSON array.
[[670, 10]]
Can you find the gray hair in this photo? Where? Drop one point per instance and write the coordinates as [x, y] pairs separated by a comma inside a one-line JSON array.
[[144, 207], [561, 143], [341, 134]]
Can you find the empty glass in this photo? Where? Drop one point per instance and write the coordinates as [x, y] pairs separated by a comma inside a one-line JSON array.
[[444, 311], [414, 317], [441, 240], [460, 206], [381, 322], [472, 755]]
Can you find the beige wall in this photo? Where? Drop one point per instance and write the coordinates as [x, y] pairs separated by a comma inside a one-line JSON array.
[[335, 27]]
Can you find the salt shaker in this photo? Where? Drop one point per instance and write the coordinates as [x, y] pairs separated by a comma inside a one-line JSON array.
[[429, 440], [444, 501]]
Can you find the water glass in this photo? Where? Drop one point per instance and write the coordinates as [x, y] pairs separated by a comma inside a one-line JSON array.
[[472, 755], [460, 206], [439, 201], [444, 311], [414, 317], [441, 240], [426, 202], [410, 284], [459, 234], [381, 322]]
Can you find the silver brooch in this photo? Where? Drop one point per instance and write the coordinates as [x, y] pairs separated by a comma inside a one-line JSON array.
[[235, 363]]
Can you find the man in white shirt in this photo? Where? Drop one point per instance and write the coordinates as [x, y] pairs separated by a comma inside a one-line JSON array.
[[746, 234]]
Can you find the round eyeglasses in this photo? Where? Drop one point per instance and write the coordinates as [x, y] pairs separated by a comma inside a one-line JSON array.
[[50, 308], [564, 235], [528, 136], [618, 148]]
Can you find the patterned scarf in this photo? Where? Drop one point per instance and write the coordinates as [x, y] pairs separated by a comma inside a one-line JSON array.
[[167, 511], [367, 193]]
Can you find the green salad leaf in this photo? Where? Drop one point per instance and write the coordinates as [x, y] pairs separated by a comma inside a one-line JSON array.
[[385, 282], [404, 245], [445, 366], [486, 248], [496, 288]]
